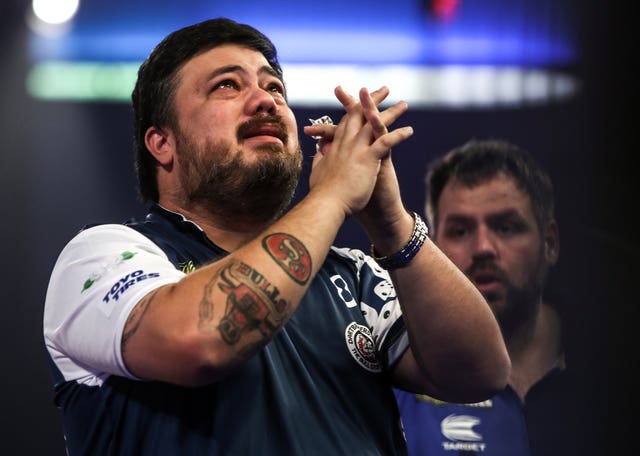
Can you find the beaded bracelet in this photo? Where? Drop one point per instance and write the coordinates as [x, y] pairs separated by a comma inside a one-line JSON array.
[[403, 257]]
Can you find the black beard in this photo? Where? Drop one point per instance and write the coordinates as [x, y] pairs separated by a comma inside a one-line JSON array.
[[521, 303], [214, 178]]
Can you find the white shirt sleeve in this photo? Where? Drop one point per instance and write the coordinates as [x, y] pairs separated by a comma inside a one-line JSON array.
[[97, 280]]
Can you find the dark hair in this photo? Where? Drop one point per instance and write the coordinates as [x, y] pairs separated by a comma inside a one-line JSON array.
[[155, 87], [479, 160]]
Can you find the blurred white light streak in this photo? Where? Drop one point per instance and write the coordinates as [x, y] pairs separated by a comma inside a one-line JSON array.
[[313, 85], [432, 86]]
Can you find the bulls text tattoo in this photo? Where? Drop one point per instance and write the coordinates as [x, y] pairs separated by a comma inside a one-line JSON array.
[[290, 254], [252, 302]]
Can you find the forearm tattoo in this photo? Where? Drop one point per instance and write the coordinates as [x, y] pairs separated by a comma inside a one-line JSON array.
[[252, 303], [135, 318], [290, 254]]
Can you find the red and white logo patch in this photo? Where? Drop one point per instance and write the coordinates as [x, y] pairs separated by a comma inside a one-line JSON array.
[[361, 346]]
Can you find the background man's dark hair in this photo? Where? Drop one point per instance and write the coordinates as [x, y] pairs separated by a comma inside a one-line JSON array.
[[480, 160], [155, 87]]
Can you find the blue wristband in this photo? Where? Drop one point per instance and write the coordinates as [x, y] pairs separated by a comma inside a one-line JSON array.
[[403, 257]]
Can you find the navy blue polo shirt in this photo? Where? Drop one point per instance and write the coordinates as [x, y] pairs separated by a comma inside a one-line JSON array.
[[320, 387]]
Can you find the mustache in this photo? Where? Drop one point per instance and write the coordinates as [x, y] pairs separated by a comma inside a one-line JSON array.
[[256, 122], [484, 267]]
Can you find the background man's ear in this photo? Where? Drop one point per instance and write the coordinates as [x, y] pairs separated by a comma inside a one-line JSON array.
[[551, 238]]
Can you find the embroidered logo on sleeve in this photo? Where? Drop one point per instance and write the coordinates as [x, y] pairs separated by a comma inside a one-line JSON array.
[[126, 282], [95, 276], [361, 346]]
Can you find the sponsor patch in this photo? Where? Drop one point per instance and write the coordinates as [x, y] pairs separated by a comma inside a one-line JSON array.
[[125, 283], [361, 346], [460, 428], [462, 437], [95, 276]]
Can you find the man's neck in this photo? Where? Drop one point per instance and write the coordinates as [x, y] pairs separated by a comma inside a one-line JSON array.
[[228, 233], [534, 350]]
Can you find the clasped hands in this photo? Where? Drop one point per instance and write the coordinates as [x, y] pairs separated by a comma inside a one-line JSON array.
[[354, 159]]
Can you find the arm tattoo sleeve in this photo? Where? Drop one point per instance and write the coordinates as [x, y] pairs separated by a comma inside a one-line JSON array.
[[290, 254], [252, 302], [135, 318]]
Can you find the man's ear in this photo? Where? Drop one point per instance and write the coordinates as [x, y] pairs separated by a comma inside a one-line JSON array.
[[161, 144], [551, 238]]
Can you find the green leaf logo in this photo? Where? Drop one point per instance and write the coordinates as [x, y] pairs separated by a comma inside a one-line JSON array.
[[124, 256], [87, 284]]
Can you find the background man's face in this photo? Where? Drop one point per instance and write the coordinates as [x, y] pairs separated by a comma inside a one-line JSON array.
[[490, 232]]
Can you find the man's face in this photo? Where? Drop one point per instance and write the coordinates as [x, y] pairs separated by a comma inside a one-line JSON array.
[[490, 232], [236, 136]]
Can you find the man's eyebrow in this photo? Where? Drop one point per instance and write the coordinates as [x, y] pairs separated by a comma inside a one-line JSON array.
[[225, 69], [457, 218], [507, 213], [270, 71], [239, 69], [493, 216]]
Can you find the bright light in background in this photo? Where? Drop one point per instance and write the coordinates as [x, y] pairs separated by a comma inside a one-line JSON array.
[[55, 11], [440, 53], [448, 86], [51, 19]]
